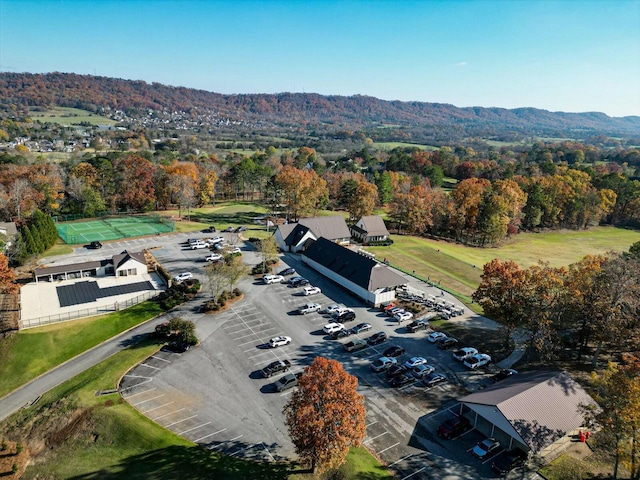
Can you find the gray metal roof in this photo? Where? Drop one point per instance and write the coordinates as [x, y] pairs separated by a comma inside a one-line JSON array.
[[374, 226], [332, 228], [121, 258], [540, 406], [72, 267], [363, 271]]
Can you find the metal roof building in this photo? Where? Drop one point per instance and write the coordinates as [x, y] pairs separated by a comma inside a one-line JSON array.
[[529, 411], [365, 277], [294, 237]]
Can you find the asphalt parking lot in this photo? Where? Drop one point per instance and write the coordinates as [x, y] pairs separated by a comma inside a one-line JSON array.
[[215, 395]]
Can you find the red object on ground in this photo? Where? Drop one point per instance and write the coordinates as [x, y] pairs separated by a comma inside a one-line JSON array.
[[583, 437]]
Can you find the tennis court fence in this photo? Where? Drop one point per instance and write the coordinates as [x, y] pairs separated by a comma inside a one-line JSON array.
[[86, 312]]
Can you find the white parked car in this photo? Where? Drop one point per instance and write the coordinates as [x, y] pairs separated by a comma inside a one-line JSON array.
[[198, 245], [415, 361], [403, 316], [332, 327], [422, 370], [478, 360], [279, 341], [182, 277], [383, 363], [340, 311], [215, 240], [332, 308], [311, 290], [433, 337], [268, 279], [214, 257], [464, 353]]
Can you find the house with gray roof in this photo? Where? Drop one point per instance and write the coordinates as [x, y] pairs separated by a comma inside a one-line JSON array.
[[370, 228], [295, 237], [122, 265], [536, 412], [9, 231], [365, 277]]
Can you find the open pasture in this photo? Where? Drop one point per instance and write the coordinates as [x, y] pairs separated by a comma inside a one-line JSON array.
[[69, 116], [459, 267]]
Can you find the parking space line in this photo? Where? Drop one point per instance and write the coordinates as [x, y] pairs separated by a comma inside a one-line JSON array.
[[267, 352], [398, 461], [145, 365], [491, 458], [155, 408], [377, 436], [180, 421], [144, 391], [268, 452], [147, 400], [414, 473], [167, 414], [242, 449], [222, 443], [388, 448], [372, 423], [195, 428], [210, 435], [161, 359]]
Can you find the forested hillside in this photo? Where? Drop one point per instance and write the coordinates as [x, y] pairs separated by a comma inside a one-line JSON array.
[[24, 90]]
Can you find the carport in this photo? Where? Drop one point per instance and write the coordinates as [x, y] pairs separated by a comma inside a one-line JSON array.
[[530, 412], [66, 272]]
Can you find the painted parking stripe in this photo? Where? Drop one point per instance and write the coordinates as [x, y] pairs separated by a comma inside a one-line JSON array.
[[414, 473], [377, 436], [401, 460], [150, 366], [268, 352], [209, 435], [242, 450], [194, 428], [144, 391], [216, 447], [372, 423], [388, 448], [161, 359], [167, 414], [268, 452], [180, 421], [159, 406], [148, 400]]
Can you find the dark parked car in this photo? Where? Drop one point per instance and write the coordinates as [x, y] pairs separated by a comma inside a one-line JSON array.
[[502, 374], [361, 327], [507, 461], [228, 230], [241, 229], [447, 343], [298, 282], [95, 244], [401, 380], [395, 370], [453, 427], [434, 379], [211, 229], [377, 338], [347, 332], [177, 347], [346, 317], [393, 351], [287, 271], [417, 325]]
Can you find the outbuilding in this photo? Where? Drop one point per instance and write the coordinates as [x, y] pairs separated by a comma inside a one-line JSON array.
[[536, 412], [295, 237], [365, 277], [121, 265], [370, 228]]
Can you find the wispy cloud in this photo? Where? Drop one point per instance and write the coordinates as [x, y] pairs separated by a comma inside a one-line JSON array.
[[461, 64]]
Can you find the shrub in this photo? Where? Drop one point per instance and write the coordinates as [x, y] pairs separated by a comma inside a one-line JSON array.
[[381, 243], [237, 292], [19, 448], [3, 446], [14, 468]]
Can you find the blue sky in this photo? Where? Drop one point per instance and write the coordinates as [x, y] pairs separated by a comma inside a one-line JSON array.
[[572, 55]]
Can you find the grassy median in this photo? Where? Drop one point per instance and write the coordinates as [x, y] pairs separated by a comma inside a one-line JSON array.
[[32, 352]]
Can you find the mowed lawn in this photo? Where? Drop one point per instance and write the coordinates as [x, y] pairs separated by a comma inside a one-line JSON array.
[[459, 267]]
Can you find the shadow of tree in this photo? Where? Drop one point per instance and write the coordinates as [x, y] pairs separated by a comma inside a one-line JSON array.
[[188, 462]]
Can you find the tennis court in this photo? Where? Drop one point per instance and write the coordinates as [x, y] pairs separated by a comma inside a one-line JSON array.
[[113, 228]]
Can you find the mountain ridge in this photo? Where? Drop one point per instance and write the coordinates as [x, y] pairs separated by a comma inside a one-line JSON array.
[[296, 109]]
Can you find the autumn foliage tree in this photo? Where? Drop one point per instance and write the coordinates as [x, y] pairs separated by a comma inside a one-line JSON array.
[[7, 276], [325, 415]]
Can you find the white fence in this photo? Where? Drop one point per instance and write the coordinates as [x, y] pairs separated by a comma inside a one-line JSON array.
[[87, 312]]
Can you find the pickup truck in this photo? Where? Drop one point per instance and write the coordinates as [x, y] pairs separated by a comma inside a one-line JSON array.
[[276, 367], [290, 380], [309, 308]]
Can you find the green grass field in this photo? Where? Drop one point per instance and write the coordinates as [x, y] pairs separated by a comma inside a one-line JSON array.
[[58, 343], [392, 145], [453, 264], [69, 116]]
